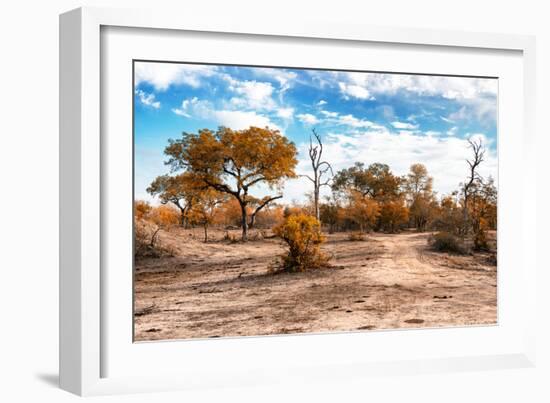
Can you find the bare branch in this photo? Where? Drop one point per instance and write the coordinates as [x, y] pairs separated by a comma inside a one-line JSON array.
[[307, 176], [315, 155], [329, 168], [265, 201]]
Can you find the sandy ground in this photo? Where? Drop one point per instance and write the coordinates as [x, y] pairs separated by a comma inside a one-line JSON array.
[[387, 281]]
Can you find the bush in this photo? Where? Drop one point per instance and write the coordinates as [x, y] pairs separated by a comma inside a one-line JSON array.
[[447, 242], [480, 236], [480, 241], [302, 234], [356, 236], [146, 242]]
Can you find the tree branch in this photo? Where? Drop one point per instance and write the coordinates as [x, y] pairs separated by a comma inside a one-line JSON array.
[[264, 203], [307, 176]]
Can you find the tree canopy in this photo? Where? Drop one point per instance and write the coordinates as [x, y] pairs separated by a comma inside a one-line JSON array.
[[180, 190], [233, 161], [376, 181]]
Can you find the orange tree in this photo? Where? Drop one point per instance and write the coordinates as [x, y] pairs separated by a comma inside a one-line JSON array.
[[234, 161], [205, 208], [393, 215], [180, 190], [376, 181], [362, 211], [419, 191]]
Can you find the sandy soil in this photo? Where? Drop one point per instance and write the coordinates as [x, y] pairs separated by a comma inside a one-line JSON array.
[[387, 281]]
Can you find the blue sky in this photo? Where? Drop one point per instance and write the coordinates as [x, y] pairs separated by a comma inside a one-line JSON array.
[[397, 119]]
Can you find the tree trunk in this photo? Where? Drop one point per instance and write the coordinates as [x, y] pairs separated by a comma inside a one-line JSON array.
[[205, 233], [252, 221], [465, 214], [316, 201], [244, 222], [154, 237]]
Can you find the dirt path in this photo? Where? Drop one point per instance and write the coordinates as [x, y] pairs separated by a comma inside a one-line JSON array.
[[387, 281]]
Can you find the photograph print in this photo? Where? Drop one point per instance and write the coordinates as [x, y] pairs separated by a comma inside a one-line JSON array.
[[274, 200]]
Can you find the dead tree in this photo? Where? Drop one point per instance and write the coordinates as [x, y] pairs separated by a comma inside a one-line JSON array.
[[474, 178], [320, 168]]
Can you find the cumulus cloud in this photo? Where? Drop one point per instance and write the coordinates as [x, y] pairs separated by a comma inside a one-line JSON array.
[[252, 94], [148, 99], [345, 120], [476, 95], [452, 131], [350, 120], [354, 91], [162, 75], [285, 78], [482, 109], [445, 86], [403, 125], [240, 120], [285, 113], [235, 119], [322, 102], [307, 118], [329, 114], [192, 105]]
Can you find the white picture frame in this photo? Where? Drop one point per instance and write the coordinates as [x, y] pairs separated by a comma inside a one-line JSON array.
[[83, 307]]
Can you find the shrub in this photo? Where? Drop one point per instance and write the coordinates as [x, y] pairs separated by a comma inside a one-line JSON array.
[[447, 242], [356, 236], [480, 236], [480, 241], [146, 242], [302, 234]]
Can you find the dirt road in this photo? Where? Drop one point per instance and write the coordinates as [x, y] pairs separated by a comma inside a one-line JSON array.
[[387, 281]]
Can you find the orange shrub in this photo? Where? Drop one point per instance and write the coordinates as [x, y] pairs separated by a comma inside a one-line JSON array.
[[302, 234], [141, 209]]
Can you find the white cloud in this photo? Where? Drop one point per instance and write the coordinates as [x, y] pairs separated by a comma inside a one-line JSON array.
[[452, 131], [354, 91], [403, 125], [350, 120], [322, 102], [307, 118], [445, 86], [192, 106], [238, 120], [285, 78], [481, 109], [346, 120], [285, 113], [163, 75], [329, 114], [478, 95], [461, 114], [253, 94], [147, 99]]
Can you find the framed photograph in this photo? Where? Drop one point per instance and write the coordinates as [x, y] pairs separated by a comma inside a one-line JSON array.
[[242, 202]]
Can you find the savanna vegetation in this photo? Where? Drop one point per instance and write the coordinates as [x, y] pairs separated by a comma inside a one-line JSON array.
[[221, 196], [213, 177]]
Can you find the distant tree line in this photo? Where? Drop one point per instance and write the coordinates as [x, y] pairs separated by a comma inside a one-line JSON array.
[[212, 176]]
